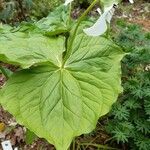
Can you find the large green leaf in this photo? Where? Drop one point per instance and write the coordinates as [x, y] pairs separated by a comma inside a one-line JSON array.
[[58, 103], [27, 49], [56, 22]]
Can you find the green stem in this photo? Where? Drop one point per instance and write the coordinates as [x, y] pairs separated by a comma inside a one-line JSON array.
[[69, 49], [4, 72], [74, 145]]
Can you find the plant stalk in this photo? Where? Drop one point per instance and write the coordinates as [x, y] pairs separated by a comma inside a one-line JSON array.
[[69, 49]]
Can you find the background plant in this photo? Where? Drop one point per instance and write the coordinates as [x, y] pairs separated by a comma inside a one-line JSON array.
[[15, 11], [129, 121]]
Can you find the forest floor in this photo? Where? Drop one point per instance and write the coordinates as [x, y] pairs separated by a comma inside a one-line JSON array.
[[10, 130]]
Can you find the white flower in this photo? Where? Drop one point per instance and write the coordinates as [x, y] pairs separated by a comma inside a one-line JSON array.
[[67, 2], [100, 27], [131, 1]]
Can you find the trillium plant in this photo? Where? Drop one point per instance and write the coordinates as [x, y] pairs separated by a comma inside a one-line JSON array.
[[69, 73]]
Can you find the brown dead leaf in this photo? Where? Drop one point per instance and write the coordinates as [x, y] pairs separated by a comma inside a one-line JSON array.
[[2, 127], [19, 134]]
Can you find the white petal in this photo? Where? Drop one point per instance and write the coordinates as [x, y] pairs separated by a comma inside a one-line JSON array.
[[99, 11], [131, 1], [98, 28], [110, 14], [67, 2]]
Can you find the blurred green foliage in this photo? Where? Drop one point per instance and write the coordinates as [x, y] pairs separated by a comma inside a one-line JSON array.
[[129, 121], [14, 11], [43, 7]]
